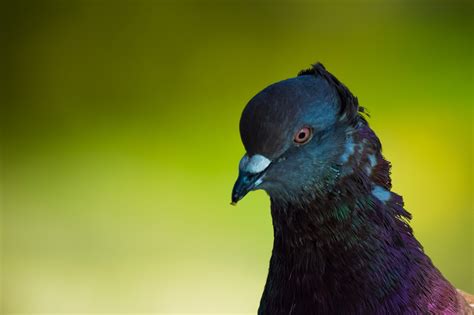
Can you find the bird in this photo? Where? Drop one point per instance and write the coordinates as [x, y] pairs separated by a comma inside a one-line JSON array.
[[342, 239]]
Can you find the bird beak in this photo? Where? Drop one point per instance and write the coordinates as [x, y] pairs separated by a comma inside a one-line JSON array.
[[251, 171], [245, 183]]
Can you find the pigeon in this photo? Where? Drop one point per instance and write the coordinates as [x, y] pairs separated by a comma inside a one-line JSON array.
[[342, 239]]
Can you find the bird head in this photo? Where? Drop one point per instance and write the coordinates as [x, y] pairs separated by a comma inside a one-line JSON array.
[[297, 136]]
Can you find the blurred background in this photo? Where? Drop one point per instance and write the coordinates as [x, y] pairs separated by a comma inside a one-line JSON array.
[[120, 141]]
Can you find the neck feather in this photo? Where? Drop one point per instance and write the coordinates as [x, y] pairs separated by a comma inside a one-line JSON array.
[[351, 252]]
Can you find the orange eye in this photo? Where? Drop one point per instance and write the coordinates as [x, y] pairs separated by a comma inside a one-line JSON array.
[[303, 135]]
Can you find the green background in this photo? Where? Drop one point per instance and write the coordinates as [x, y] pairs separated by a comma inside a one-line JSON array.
[[120, 141]]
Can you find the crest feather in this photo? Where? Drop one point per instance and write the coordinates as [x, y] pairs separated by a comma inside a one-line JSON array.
[[350, 108]]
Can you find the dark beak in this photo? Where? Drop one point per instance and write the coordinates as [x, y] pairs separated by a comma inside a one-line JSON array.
[[245, 183]]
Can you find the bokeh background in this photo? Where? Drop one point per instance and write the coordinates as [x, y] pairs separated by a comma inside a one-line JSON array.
[[120, 143]]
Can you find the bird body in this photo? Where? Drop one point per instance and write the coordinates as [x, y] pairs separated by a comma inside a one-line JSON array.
[[342, 240]]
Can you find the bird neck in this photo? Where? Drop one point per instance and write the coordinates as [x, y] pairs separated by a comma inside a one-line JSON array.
[[352, 248]]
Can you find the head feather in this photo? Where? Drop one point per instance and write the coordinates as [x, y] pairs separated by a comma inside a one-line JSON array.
[[350, 108]]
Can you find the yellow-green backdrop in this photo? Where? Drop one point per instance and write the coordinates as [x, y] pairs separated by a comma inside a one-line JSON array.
[[120, 141]]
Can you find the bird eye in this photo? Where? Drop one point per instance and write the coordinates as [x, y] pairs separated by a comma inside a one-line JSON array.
[[303, 135]]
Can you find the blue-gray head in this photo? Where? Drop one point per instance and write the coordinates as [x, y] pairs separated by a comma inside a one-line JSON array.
[[298, 134]]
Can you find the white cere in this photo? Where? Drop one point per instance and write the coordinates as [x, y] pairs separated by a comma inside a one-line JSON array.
[[255, 164]]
